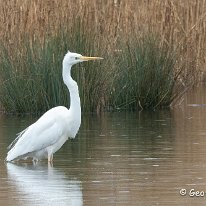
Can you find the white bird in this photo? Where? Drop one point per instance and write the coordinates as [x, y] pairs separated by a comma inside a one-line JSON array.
[[47, 135]]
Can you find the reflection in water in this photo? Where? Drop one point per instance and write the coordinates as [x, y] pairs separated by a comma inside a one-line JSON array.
[[129, 154], [42, 185], [117, 159]]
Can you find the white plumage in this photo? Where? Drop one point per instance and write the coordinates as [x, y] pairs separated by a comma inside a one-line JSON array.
[[43, 138]]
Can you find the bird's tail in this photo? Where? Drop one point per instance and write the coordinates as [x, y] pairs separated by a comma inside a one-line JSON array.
[[10, 157], [14, 150]]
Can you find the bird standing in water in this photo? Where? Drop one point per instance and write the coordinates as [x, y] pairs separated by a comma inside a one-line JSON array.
[[47, 135]]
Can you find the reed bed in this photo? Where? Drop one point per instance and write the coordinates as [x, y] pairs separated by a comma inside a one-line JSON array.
[[146, 74], [36, 34]]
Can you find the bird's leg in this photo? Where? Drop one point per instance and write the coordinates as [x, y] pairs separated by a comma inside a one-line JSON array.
[[50, 157], [50, 164], [35, 161]]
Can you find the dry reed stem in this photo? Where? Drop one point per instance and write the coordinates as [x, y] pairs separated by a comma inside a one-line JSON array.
[[180, 23]]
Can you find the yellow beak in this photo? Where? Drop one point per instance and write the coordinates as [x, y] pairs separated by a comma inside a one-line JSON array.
[[84, 58]]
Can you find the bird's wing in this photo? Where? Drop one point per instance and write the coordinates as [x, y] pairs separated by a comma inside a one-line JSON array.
[[43, 133]]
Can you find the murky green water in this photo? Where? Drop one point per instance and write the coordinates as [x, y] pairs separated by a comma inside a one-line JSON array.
[[117, 159]]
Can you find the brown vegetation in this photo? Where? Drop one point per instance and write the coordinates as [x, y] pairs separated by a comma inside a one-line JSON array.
[[179, 24]]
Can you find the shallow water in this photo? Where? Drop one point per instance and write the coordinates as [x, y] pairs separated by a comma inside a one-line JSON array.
[[122, 158]]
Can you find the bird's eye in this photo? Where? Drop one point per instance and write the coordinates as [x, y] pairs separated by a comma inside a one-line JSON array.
[[76, 58]]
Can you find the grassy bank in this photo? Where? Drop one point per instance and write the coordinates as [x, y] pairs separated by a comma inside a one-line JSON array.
[[145, 75], [141, 74], [32, 80], [138, 71]]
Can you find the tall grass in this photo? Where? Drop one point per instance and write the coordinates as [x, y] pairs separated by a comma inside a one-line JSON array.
[[145, 75], [141, 75], [32, 81], [28, 78], [36, 34]]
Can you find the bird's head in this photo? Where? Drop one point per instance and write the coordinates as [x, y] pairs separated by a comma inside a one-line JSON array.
[[73, 58]]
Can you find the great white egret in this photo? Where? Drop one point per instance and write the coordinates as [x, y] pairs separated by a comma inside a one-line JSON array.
[[44, 137]]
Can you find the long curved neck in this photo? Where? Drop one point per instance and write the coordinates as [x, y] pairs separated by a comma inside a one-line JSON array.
[[75, 105]]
